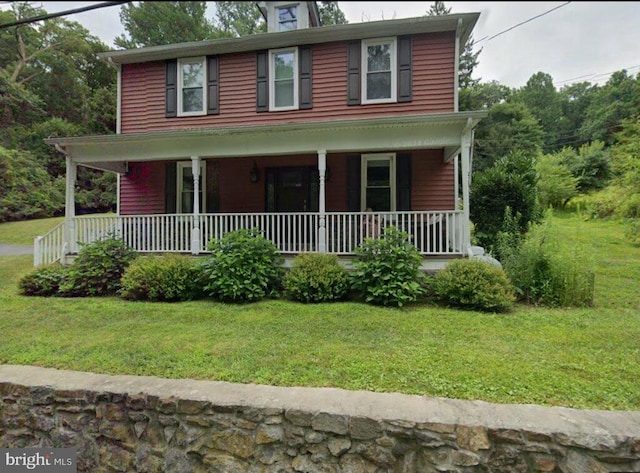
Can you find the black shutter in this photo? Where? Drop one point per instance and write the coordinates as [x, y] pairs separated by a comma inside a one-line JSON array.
[[213, 89], [403, 182], [170, 186], [262, 81], [305, 57], [353, 184], [353, 73], [213, 197], [171, 83], [404, 69]]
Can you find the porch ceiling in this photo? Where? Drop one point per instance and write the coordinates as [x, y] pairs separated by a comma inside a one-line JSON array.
[[372, 134]]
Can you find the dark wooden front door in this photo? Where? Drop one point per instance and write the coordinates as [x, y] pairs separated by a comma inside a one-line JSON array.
[[292, 189]]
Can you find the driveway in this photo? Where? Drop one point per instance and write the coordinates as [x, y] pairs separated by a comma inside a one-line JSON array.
[[6, 250]]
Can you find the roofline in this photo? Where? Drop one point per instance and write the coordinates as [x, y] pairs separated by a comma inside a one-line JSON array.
[[472, 117], [316, 35]]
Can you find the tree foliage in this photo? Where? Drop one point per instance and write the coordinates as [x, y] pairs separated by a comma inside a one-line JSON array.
[[158, 23], [331, 14]]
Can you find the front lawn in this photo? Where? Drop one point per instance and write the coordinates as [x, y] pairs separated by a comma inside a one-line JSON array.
[[585, 358]]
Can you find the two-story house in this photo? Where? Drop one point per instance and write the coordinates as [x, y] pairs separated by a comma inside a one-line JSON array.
[[319, 136]]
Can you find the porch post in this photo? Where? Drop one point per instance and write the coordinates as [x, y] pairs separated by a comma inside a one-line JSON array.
[[195, 228], [466, 179], [70, 239], [322, 221]]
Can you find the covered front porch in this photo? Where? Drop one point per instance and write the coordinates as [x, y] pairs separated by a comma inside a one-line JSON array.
[[295, 219]]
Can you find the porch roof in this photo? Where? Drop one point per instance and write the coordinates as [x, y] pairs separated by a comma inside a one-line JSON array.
[[111, 152]]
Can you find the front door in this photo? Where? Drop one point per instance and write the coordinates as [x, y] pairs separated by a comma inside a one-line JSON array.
[[292, 189]]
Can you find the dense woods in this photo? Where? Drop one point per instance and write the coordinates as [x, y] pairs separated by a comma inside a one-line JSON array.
[[540, 146]]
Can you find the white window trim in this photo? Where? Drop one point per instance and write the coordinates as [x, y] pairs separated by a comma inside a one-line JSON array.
[[181, 165], [277, 15], [272, 14], [365, 158], [394, 69], [203, 61], [272, 76]]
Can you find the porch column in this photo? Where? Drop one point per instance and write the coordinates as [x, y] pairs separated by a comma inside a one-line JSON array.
[[195, 228], [465, 152], [322, 221], [71, 242]]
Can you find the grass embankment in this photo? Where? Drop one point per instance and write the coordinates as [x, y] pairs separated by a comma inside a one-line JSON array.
[[585, 358]]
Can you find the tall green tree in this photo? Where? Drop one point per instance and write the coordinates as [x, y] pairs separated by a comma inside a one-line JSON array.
[[331, 14], [509, 127], [540, 96], [616, 101], [575, 99], [483, 95], [158, 23], [234, 19]]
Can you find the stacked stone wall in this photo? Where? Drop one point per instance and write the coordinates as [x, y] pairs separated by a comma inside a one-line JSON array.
[[123, 423]]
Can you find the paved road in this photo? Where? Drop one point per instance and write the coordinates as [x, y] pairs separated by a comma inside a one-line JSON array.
[[6, 250]]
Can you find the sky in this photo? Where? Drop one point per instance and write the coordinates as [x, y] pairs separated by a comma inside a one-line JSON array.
[[578, 41]]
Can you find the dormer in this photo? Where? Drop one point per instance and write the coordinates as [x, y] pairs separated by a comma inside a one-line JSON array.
[[288, 16]]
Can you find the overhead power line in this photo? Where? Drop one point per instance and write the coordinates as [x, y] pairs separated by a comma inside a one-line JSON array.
[[49, 16], [489, 38]]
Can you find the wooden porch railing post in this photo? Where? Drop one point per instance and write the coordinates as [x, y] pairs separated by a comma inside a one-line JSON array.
[[196, 238], [322, 218]]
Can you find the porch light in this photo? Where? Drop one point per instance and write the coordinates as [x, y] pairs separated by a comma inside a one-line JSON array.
[[254, 175]]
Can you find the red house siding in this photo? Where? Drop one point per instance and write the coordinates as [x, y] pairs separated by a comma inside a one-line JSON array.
[[143, 90], [143, 190], [432, 181]]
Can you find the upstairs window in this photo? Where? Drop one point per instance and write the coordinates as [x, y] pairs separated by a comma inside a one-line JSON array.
[[191, 86], [283, 70], [379, 67], [287, 18]]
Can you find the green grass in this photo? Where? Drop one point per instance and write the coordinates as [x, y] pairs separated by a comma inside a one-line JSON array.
[[23, 233], [584, 358]]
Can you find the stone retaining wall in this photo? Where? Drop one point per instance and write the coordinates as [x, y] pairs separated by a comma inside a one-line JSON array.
[[147, 424]]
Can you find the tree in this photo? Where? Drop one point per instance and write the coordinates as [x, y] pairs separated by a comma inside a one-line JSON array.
[[438, 8], [574, 99], [483, 95], [234, 19], [508, 128], [330, 14], [616, 101], [158, 23], [556, 184], [541, 98]]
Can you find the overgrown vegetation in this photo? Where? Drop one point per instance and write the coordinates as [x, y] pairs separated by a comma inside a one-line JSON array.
[[387, 269], [473, 284], [316, 277], [243, 266]]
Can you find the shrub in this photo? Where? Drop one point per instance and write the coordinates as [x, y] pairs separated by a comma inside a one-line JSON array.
[[98, 268], [316, 278], [473, 284], [167, 278], [243, 266], [387, 270], [43, 281], [545, 270]]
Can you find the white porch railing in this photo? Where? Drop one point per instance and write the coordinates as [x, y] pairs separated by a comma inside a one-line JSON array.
[[432, 232], [50, 247]]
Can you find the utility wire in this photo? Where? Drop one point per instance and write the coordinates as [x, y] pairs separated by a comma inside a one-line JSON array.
[[49, 16], [489, 38]]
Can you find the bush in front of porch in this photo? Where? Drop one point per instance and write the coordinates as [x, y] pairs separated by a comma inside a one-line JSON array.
[[387, 270], [316, 277], [243, 267]]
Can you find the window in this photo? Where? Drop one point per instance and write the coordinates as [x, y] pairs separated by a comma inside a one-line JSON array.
[[283, 78], [287, 18], [379, 70], [185, 187], [378, 182], [191, 86]]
